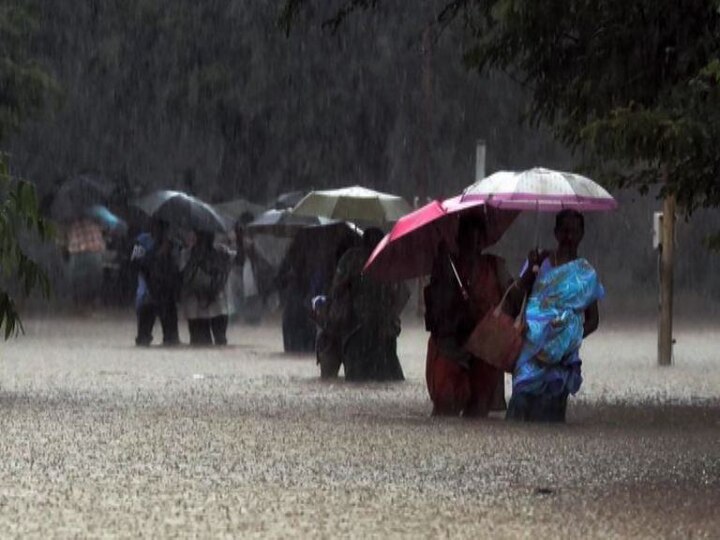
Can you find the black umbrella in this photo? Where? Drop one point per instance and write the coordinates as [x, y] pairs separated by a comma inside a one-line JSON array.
[[182, 210], [314, 253], [77, 194], [320, 244]]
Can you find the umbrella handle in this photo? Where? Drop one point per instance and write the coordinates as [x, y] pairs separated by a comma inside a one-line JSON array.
[[464, 292], [535, 267], [537, 225]]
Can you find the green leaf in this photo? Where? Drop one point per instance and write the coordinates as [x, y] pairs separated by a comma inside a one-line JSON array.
[[19, 210]]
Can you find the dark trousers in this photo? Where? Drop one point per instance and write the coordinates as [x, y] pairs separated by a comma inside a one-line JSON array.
[[367, 356], [329, 355], [298, 329], [205, 331], [146, 315], [541, 408]]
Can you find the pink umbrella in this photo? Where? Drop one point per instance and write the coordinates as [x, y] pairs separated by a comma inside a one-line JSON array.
[[497, 221], [409, 249]]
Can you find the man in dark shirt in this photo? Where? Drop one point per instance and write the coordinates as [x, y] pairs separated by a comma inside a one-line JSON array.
[[155, 258]]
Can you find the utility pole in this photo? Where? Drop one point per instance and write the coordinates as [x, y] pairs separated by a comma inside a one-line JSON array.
[[665, 315], [480, 150], [423, 181]]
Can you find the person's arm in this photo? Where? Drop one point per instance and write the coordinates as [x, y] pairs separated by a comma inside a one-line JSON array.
[[524, 284], [592, 319]]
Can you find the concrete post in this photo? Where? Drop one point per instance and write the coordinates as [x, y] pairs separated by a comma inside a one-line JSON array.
[[665, 315]]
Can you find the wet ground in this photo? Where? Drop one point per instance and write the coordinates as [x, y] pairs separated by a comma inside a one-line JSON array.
[[102, 439]]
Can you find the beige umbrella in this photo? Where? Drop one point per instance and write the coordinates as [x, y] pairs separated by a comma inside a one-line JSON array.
[[355, 203]]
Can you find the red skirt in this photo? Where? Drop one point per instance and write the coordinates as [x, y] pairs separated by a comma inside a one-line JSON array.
[[456, 390]]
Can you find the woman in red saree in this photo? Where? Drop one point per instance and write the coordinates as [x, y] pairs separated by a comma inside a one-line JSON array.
[[463, 287]]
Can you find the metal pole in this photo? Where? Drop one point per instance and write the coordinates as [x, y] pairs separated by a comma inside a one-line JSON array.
[[422, 188], [665, 319]]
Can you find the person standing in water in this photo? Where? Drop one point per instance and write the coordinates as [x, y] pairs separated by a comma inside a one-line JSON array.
[[562, 310], [205, 298], [464, 286], [364, 318], [155, 257]]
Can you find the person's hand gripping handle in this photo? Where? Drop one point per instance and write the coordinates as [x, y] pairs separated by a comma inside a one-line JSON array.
[[536, 258]]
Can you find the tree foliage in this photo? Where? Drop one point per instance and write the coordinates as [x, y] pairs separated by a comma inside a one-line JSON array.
[[18, 215], [213, 96], [634, 85], [24, 89], [24, 84]]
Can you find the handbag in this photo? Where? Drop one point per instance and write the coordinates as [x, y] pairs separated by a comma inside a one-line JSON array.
[[498, 338]]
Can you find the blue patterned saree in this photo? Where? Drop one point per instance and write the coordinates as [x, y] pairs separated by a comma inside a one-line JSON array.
[[549, 362]]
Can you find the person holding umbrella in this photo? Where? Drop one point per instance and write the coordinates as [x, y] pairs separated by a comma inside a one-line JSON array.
[[364, 318], [252, 273], [563, 288], [205, 299], [155, 258], [562, 310], [446, 239], [464, 286]]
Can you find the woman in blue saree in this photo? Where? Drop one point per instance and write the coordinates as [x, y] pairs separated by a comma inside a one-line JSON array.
[[562, 309]]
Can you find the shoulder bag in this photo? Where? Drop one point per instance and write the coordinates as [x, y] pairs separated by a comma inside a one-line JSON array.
[[498, 338]]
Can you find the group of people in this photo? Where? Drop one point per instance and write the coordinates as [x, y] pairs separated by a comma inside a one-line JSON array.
[[357, 319], [360, 319], [558, 293], [194, 274]]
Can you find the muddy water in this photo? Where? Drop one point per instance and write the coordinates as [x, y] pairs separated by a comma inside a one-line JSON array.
[[103, 439]]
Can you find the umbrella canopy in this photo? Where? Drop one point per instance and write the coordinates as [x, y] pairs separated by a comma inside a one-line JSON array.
[[287, 200], [182, 210], [496, 220], [540, 189], [314, 252], [107, 219], [409, 249], [77, 194], [283, 223], [357, 204], [236, 208]]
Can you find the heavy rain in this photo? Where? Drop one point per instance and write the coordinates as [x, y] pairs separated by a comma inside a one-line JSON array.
[[359, 268]]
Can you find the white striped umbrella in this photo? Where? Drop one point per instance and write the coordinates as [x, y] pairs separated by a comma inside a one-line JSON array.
[[542, 190]]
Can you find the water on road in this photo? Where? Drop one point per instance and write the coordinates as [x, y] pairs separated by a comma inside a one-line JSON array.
[[100, 438]]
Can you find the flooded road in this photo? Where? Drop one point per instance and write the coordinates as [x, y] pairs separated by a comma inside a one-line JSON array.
[[100, 438]]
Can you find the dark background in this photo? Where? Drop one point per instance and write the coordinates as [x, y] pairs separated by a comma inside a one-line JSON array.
[[214, 98]]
